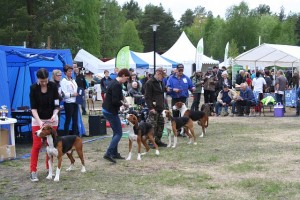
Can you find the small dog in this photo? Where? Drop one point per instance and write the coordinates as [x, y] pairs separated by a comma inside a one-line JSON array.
[[141, 132], [207, 108], [200, 116], [58, 146], [174, 123]]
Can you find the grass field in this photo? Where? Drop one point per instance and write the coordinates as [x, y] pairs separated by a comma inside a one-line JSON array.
[[239, 158]]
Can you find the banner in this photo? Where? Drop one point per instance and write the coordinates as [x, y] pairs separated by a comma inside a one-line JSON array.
[[199, 54], [122, 60], [235, 70], [226, 55]]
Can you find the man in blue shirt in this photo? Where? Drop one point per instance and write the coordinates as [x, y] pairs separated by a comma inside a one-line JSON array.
[[178, 86], [245, 100]]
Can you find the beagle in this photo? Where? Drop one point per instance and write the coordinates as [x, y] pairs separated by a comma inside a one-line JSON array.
[[141, 132], [175, 123], [58, 146]]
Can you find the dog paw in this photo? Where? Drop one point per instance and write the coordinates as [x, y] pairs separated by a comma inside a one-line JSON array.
[[129, 158], [157, 152], [83, 169], [56, 179], [173, 146], [201, 135], [189, 142], [144, 153], [69, 169], [195, 143], [169, 146], [49, 177], [139, 158]]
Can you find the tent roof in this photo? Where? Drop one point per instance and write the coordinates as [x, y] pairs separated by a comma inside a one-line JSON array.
[[159, 60], [17, 55], [183, 51], [90, 62], [269, 55], [134, 61]]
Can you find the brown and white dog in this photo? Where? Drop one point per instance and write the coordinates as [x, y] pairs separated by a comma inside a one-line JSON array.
[[200, 117], [174, 123], [58, 146], [141, 133]]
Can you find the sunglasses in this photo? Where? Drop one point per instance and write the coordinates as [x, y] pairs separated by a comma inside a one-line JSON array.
[[58, 75], [180, 70]]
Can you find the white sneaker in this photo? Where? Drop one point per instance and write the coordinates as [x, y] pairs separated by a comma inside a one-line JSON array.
[[33, 177]]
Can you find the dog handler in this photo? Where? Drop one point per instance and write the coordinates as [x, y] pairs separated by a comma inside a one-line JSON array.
[[44, 103], [110, 108]]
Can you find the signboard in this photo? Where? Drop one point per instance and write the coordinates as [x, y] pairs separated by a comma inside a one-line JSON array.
[[290, 98], [235, 70]]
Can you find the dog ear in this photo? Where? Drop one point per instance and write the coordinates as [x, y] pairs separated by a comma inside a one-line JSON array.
[[53, 132]]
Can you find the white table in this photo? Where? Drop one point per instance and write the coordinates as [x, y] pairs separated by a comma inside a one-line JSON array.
[[11, 122]]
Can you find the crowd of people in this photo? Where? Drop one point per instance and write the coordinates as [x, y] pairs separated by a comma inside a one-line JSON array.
[[152, 91]]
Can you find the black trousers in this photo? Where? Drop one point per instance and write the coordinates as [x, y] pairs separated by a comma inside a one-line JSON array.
[[196, 101], [209, 96], [241, 104], [71, 110]]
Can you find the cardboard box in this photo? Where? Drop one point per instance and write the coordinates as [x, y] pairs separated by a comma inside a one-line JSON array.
[[4, 137], [7, 152]]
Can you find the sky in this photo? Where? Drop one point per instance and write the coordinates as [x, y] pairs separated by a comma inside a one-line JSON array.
[[218, 7]]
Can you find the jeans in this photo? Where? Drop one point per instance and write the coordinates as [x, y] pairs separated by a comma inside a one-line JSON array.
[[115, 124], [219, 107]]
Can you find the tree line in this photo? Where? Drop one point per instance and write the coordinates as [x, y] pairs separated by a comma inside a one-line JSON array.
[[102, 27]]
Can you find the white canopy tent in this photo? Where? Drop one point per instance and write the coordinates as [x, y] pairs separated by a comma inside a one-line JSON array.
[[183, 51], [91, 62], [270, 55]]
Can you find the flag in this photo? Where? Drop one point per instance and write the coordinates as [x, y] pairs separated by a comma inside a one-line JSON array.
[[199, 54], [122, 60], [226, 64]]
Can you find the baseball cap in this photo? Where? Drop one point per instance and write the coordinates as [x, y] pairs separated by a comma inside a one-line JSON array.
[[160, 69], [180, 66]]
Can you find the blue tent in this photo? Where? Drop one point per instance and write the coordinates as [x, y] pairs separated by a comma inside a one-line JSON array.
[[18, 71]]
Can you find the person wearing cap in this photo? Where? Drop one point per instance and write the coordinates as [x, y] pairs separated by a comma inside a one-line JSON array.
[[154, 98], [69, 88], [178, 86], [81, 83], [197, 81], [210, 82], [226, 97]]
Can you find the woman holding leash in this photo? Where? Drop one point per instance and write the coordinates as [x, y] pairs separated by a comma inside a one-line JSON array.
[[44, 103], [110, 108]]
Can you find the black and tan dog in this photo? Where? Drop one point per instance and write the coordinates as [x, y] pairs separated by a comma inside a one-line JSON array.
[[175, 123], [58, 146], [199, 116], [141, 133]]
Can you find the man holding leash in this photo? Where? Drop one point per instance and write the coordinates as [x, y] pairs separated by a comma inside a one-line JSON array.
[[154, 98]]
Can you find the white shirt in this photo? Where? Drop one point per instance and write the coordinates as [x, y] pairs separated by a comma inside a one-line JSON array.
[[258, 84], [69, 87]]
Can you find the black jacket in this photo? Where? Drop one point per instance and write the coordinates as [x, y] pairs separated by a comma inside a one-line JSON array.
[[113, 98], [154, 92]]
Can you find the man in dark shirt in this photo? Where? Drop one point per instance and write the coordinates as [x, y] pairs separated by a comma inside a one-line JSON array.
[[154, 98], [81, 83]]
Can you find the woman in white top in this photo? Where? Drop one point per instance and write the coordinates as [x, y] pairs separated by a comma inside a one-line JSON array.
[[258, 84], [69, 88]]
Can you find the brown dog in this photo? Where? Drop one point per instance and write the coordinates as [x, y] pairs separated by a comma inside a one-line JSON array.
[[199, 116], [141, 133], [174, 123], [58, 146]]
